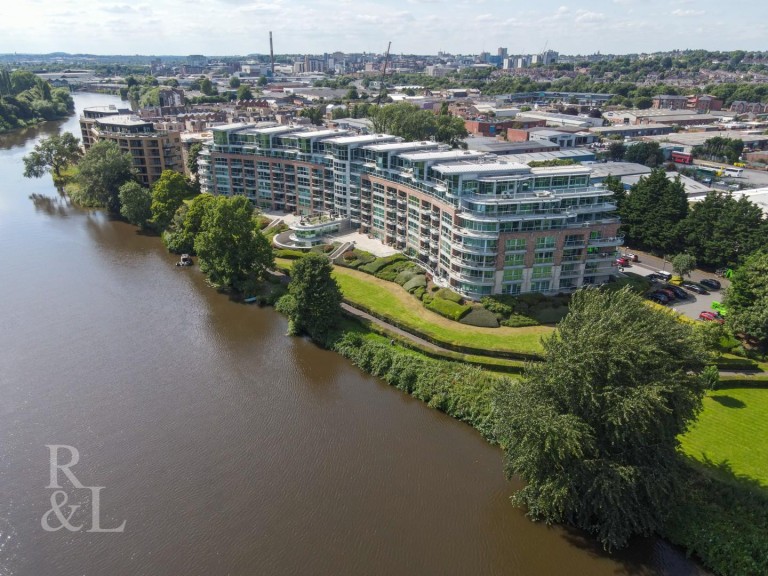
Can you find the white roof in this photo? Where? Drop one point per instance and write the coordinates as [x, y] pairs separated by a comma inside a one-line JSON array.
[[445, 155], [481, 168], [401, 146], [361, 139]]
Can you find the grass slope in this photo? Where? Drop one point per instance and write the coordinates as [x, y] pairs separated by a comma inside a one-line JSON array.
[[731, 432], [393, 301]]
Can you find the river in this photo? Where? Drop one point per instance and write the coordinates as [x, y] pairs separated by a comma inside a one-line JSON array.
[[227, 447]]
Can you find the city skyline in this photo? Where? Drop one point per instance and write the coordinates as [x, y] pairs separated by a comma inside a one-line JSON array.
[[239, 27]]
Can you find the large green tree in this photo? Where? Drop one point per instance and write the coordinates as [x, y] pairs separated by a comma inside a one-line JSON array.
[[593, 429], [746, 299], [721, 230], [168, 193], [647, 153], [683, 264], [232, 251], [180, 236], [52, 154], [652, 212], [412, 123], [244, 92], [135, 204], [313, 302], [101, 172]]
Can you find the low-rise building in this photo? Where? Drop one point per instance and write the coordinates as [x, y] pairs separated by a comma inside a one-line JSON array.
[[483, 224]]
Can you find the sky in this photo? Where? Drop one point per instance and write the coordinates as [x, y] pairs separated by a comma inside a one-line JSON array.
[[239, 27]]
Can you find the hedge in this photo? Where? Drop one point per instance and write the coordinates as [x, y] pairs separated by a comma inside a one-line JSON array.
[[289, 254], [379, 263], [446, 308], [404, 276], [481, 317], [448, 294], [519, 321], [391, 271], [418, 281]]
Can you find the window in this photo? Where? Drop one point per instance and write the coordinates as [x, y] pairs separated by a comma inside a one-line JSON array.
[[546, 257], [545, 243], [513, 244], [541, 286], [514, 259], [513, 274], [511, 288], [542, 272]]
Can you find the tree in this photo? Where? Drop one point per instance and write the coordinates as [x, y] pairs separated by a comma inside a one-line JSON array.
[[52, 155], [101, 172], [187, 223], [615, 185], [593, 429], [313, 302], [232, 251], [647, 153], [194, 154], [207, 87], [135, 202], [652, 211], [616, 151], [720, 230], [168, 193], [683, 264], [314, 113], [747, 298], [262, 81], [352, 94], [244, 93], [234, 82]]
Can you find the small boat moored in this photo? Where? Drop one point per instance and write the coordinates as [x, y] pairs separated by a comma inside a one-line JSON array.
[[185, 260]]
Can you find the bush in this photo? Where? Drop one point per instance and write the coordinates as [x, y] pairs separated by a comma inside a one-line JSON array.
[[390, 272], [479, 316], [419, 292], [519, 321], [404, 276], [447, 308], [418, 281], [499, 305], [355, 258], [379, 263], [289, 254], [447, 294], [549, 315]]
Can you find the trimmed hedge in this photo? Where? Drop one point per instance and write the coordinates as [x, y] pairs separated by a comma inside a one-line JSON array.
[[404, 276], [289, 254], [419, 292], [481, 317], [519, 321], [391, 271], [418, 281], [448, 294], [446, 308], [355, 258], [380, 263]]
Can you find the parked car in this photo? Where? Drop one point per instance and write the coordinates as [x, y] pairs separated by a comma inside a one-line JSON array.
[[659, 297], [679, 292], [653, 277], [710, 283], [693, 287], [663, 274], [622, 261], [630, 256], [669, 293], [711, 317]]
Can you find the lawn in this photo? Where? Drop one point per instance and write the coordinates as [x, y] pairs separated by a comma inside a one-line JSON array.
[[732, 430], [391, 300]]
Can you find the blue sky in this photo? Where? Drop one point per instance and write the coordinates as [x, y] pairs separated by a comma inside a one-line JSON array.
[[218, 27]]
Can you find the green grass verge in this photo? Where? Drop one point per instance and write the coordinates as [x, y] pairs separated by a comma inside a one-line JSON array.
[[731, 431], [392, 302]]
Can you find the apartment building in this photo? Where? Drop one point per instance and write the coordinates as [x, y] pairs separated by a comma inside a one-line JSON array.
[[483, 223], [153, 151]]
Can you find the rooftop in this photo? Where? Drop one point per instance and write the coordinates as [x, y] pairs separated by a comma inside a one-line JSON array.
[[441, 155], [123, 120], [394, 146], [481, 168], [360, 139]]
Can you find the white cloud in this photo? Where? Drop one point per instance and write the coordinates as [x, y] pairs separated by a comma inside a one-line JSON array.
[[685, 13]]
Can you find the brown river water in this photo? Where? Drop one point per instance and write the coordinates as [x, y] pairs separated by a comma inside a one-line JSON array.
[[226, 447]]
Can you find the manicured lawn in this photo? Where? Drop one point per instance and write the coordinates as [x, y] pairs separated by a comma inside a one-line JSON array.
[[393, 301], [732, 429]]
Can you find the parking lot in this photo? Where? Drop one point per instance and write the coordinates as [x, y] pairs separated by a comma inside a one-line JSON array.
[[691, 307]]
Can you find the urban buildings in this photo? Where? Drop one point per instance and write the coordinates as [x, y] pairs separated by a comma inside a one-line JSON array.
[[482, 223], [152, 150]]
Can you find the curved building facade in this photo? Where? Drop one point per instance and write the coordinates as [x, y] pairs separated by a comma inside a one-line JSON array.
[[486, 225]]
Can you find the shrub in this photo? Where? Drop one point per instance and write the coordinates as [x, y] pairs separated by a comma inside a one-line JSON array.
[[289, 254], [479, 316], [499, 305], [448, 294], [450, 310], [405, 275], [519, 321], [349, 255], [390, 272], [355, 258], [549, 315], [419, 292], [379, 263], [418, 281]]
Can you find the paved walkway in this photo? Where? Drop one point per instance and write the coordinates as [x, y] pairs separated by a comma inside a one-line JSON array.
[[395, 330]]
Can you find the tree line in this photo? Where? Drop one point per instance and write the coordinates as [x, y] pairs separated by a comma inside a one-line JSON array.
[[26, 99]]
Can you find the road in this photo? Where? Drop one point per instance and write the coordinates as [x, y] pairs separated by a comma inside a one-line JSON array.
[[693, 305]]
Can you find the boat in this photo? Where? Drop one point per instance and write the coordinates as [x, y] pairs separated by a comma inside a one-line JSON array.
[[250, 299], [185, 260]]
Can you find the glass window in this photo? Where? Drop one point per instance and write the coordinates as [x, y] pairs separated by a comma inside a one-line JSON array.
[[512, 244], [545, 242]]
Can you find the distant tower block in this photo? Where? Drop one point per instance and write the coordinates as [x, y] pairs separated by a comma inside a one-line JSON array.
[[271, 54]]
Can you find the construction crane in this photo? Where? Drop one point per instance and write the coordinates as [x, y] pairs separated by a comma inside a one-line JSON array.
[[383, 76]]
